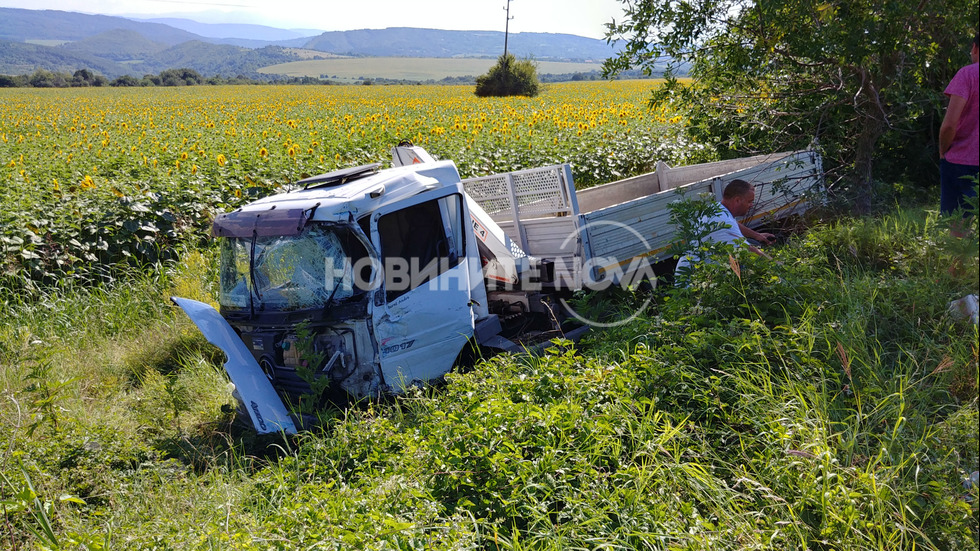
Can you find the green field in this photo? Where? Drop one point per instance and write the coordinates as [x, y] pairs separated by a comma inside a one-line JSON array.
[[408, 68]]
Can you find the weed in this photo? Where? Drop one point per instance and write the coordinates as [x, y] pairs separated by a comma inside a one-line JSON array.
[[44, 390]]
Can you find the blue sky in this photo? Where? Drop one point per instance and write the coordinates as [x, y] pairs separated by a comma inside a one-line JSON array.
[[581, 17]]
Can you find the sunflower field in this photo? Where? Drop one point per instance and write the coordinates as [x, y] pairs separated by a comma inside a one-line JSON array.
[[92, 177]]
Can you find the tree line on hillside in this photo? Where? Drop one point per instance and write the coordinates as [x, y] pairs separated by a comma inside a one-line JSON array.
[[189, 77], [170, 77]]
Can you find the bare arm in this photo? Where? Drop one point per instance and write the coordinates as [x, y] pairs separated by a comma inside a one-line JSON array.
[[952, 119], [763, 238]]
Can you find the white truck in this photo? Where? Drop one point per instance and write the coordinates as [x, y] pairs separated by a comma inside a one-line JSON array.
[[379, 279]]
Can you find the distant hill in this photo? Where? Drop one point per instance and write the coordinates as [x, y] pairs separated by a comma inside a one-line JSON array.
[[17, 25], [412, 42], [117, 45], [219, 59], [23, 59], [234, 30], [114, 46]]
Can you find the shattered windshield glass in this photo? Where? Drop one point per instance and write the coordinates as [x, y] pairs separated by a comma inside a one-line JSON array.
[[298, 272]]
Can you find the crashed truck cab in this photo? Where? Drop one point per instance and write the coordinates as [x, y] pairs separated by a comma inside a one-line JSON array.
[[374, 275]]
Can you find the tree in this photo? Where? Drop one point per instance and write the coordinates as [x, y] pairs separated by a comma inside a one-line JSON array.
[[84, 77], [126, 80], [509, 77], [860, 76], [180, 77], [47, 79], [13, 81]]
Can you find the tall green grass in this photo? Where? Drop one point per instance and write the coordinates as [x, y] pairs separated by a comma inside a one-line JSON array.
[[827, 402]]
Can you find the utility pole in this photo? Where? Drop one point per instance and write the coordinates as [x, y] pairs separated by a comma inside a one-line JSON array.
[[507, 27]]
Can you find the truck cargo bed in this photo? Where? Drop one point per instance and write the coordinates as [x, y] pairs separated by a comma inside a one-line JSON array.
[[610, 226]]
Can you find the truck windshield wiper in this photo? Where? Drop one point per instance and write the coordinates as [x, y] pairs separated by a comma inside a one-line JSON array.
[[254, 289], [332, 293]]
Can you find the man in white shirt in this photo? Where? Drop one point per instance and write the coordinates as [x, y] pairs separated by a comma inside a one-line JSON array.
[[736, 201]]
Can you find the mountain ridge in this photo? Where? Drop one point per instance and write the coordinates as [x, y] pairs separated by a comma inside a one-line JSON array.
[[232, 30], [64, 41]]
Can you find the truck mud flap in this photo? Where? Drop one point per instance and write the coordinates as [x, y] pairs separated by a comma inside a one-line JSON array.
[[263, 405]]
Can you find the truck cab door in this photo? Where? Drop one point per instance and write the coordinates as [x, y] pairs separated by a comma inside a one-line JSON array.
[[422, 314]]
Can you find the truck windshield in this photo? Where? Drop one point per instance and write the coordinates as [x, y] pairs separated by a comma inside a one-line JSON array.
[[287, 273]]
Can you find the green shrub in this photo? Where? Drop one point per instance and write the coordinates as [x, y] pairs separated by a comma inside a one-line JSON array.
[[509, 77]]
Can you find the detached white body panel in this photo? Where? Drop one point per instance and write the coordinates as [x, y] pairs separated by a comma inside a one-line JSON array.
[[264, 406]]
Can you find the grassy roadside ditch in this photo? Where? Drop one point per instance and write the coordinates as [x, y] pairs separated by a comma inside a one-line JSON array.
[[827, 402]]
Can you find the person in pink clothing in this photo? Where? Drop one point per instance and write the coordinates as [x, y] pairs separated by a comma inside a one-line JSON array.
[[959, 138]]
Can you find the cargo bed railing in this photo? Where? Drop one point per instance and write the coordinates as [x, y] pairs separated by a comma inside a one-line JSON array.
[[540, 209]]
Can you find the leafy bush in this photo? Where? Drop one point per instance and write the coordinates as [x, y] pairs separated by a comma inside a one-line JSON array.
[[509, 77], [776, 75]]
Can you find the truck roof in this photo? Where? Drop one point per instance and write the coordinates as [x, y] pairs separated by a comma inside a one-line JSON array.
[[365, 194]]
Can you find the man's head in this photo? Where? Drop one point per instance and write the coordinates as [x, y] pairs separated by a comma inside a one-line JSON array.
[[738, 197], [975, 50]]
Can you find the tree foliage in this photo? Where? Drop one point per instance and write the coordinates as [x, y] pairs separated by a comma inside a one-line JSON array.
[[509, 77], [863, 77]]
